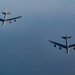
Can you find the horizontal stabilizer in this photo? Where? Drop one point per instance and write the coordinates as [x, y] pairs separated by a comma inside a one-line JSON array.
[[5, 13], [66, 37]]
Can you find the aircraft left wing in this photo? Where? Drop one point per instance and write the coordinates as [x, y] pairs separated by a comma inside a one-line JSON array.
[[13, 18], [1, 20], [72, 46], [57, 44]]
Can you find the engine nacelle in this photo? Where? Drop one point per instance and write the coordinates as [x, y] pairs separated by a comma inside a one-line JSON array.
[[14, 20], [54, 45], [9, 21], [74, 48], [60, 48]]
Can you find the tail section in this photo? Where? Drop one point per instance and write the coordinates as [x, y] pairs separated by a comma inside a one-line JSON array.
[[66, 37], [6, 13]]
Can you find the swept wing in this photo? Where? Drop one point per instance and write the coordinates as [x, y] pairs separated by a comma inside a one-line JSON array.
[[58, 44], [72, 46], [13, 18], [1, 20]]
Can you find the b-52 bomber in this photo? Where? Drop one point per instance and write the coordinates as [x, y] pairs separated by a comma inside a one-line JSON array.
[[9, 20], [67, 46]]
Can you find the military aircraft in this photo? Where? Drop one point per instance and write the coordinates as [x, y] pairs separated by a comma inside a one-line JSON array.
[[9, 20], [67, 46]]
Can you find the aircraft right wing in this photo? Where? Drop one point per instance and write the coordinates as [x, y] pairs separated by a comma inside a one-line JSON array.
[[72, 46], [55, 43], [1, 20], [13, 18]]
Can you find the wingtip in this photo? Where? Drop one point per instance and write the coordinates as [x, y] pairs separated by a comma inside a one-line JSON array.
[[20, 16], [49, 40]]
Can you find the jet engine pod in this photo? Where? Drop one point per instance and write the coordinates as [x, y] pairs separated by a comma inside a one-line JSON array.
[[74, 48], [60, 48], [9, 21], [54, 45], [15, 20]]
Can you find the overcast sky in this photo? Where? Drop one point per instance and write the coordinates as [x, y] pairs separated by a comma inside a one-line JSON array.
[[24, 46]]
